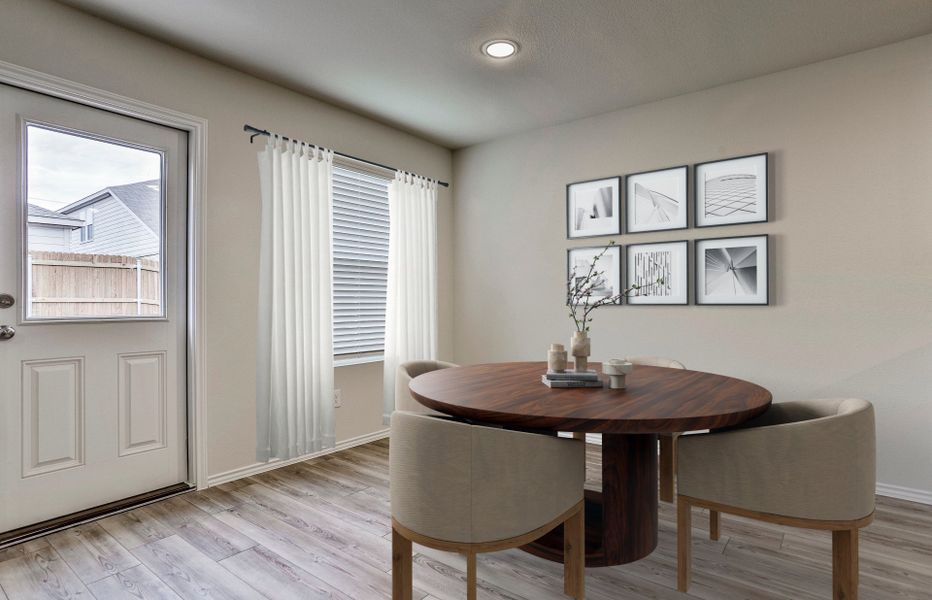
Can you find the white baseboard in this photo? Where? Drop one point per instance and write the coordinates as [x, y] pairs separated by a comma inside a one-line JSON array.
[[261, 467], [904, 493], [883, 489]]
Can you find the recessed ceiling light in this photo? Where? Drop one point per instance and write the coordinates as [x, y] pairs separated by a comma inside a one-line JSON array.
[[500, 48]]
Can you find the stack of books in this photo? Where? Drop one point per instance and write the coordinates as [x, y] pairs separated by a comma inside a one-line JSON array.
[[571, 379]]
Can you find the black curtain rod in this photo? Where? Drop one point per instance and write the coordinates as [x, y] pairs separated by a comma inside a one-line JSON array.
[[255, 132]]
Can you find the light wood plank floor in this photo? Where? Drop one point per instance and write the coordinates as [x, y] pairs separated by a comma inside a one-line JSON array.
[[321, 529]]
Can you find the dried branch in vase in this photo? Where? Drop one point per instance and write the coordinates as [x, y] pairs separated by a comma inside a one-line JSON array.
[[580, 291]]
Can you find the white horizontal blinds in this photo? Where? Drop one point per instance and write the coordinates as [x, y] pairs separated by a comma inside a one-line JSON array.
[[360, 261]]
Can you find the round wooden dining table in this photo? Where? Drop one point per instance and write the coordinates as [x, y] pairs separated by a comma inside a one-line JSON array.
[[621, 519]]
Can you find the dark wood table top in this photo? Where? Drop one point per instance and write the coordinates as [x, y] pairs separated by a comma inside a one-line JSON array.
[[657, 400]]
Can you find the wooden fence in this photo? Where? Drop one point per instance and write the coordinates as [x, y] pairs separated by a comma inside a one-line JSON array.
[[65, 284]]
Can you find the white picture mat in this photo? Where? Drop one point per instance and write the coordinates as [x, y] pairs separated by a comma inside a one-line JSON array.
[[582, 196], [679, 280], [610, 263], [751, 165], [761, 246], [670, 182]]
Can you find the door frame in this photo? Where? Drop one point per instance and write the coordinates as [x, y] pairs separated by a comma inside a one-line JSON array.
[[196, 128]]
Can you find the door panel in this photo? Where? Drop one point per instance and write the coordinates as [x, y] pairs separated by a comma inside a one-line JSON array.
[[53, 415], [93, 248], [142, 402]]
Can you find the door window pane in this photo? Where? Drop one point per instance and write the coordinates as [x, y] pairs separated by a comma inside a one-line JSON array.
[[93, 227]]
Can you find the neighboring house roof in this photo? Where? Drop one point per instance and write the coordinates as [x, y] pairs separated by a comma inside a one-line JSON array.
[[38, 214], [141, 198]]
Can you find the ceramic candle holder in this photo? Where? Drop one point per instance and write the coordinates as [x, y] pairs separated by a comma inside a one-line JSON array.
[[556, 358], [617, 369]]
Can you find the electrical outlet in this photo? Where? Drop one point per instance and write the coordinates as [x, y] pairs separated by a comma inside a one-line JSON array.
[[337, 398]]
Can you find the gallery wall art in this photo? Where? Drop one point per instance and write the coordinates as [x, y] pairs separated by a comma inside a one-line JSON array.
[[732, 191], [727, 270], [656, 200], [608, 268], [660, 271], [593, 208], [733, 270]]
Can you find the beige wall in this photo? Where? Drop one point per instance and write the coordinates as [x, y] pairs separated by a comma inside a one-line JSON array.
[[61, 41], [851, 242]]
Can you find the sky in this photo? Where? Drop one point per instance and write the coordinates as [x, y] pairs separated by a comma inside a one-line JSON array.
[[62, 168]]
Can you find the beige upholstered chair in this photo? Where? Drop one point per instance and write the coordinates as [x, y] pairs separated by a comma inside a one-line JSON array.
[[466, 488], [403, 376], [667, 440], [805, 464]]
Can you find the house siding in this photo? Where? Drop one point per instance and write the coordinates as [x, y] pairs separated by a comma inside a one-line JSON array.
[[51, 238], [116, 231]]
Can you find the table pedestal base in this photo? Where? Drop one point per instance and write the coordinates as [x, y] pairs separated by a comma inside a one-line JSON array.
[[621, 520]]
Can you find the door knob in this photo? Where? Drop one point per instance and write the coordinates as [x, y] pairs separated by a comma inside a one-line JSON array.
[[6, 332], [6, 301]]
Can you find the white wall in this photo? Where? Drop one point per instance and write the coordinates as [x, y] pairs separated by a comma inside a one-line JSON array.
[[55, 39], [851, 240]]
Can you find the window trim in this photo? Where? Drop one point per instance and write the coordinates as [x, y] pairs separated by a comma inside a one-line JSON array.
[[363, 358]]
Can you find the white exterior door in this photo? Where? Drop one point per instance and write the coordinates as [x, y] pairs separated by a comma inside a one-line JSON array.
[[93, 253]]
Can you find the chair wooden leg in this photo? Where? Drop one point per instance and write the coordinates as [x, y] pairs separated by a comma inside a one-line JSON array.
[[667, 467], [845, 564], [683, 543], [714, 525], [402, 580], [574, 555], [471, 576]]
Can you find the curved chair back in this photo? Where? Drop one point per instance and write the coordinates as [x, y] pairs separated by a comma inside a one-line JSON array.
[[403, 376], [458, 482], [812, 460], [655, 361], [807, 464]]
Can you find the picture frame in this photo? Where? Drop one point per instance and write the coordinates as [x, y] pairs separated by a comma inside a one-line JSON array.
[[732, 191], [657, 200], [733, 270], [582, 257], [662, 269], [593, 208]]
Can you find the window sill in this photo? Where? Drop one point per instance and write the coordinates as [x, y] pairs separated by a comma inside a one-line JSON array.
[[347, 361]]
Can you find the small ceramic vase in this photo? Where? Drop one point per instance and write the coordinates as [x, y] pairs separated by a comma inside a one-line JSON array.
[[580, 346], [556, 358], [617, 369]]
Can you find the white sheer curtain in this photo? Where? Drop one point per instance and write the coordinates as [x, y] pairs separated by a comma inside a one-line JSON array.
[[411, 307], [294, 385]]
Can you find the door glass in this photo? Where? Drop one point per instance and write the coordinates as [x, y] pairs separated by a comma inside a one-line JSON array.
[[93, 227]]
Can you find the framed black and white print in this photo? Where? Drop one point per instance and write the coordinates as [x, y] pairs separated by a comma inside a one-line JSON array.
[[732, 191], [607, 282], [733, 270], [660, 270], [656, 200], [593, 208]]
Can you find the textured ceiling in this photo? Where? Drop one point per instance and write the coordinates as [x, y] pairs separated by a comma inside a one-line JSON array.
[[416, 64]]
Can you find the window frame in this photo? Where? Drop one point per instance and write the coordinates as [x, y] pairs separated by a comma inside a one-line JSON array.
[[87, 230], [25, 265]]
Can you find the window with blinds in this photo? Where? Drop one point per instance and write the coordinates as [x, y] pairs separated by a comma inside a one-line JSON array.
[[360, 262]]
